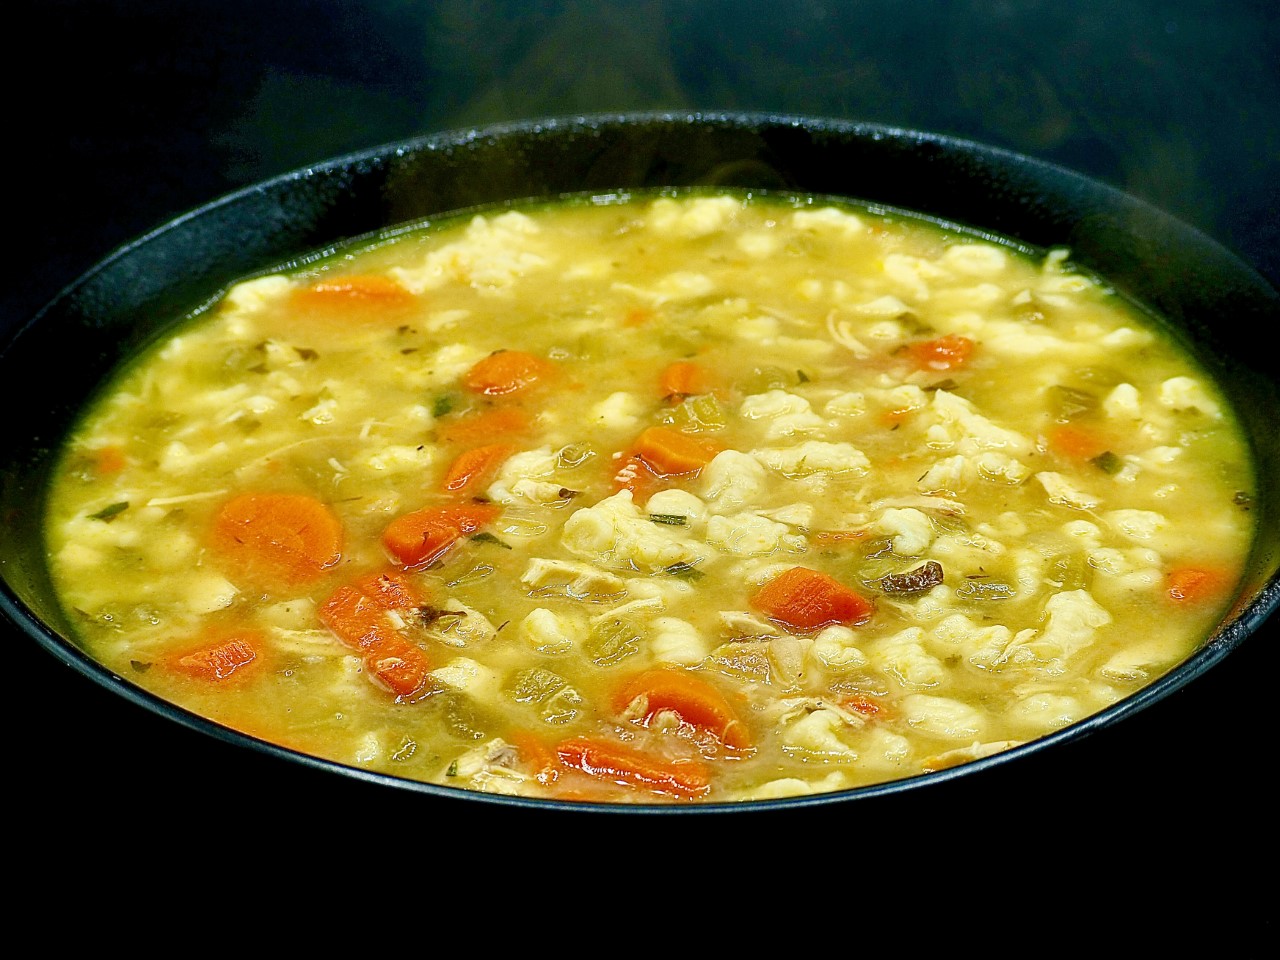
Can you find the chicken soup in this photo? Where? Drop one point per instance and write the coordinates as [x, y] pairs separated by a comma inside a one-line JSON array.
[[655, 498]]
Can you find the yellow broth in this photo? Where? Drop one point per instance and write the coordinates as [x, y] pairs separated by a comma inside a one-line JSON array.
[[743, 496]]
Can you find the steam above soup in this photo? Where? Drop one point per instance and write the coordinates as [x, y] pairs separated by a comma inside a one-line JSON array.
[[657, 498]]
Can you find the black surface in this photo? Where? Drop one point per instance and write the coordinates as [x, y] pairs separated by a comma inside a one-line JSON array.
[[159, 107]]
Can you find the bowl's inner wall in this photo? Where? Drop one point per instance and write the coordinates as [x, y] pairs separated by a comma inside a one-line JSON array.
[[1214, 299]]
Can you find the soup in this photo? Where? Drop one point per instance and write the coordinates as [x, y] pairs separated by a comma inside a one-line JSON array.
[[667, 497]]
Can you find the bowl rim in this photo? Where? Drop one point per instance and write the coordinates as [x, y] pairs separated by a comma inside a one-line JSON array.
[[1242, 622]]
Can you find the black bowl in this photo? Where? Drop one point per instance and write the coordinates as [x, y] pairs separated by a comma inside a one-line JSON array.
[[126, 301]]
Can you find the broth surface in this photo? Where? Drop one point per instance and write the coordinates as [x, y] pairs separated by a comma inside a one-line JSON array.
[[671, 497]]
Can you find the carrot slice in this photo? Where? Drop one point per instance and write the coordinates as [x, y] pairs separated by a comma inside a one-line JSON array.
[[353, 289], [635, 475], [537, 756], [390, 589], [669, 452], [292, 536], [684, 378], [943, 353], [109, 460], [1197, 584], [1076, 442], [806, 599], [222, 659], [505, 371], [695, 700], [474, 428], [637, 316], [422, 537], [865, 706], [476, 467], [398, 665], [359, 619], [610, 760]]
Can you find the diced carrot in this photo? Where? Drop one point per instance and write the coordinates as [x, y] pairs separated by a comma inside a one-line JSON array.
[[108, 460], [358, 620], [399, 665], [390, 589], [291, 536], [537, 757], [635, 475], [1197, 584], [353, 289], [806, 599], [672, 453], [1076, 442], [694, 699], [475, 467], [422, 537], [485, 425], [895, 418], [637, 316], [684, 378], [942, 353], [864, 706], [222, 659], [623, 764], [505, 371]]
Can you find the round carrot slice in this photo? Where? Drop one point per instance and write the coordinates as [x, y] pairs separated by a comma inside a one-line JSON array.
[[290, 536], [505, 371], [694, 699]]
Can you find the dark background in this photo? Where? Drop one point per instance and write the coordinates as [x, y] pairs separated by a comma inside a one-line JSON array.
[[123, 114]]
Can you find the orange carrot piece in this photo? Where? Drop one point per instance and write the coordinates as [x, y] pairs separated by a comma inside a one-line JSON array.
[[360, 621], [109, 460], [635, 475], [399, 665], [505, 371], [1076, 442], [475, 467], [357, 619], [390, 589], [623, 764], [1197, 584], [672, 453], [806, 599], [943, 353], [696, 701], [222, 659], [420, 538], [864, 706], [537, 756], [355, 288], [292, 536], [475, 428], [684, 378]]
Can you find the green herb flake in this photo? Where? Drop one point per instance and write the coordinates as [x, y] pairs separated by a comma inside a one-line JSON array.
[[453, 769], [443, 405], [1107, 462], [109, 513], [670, 519], [489, 538], [684, 571]]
